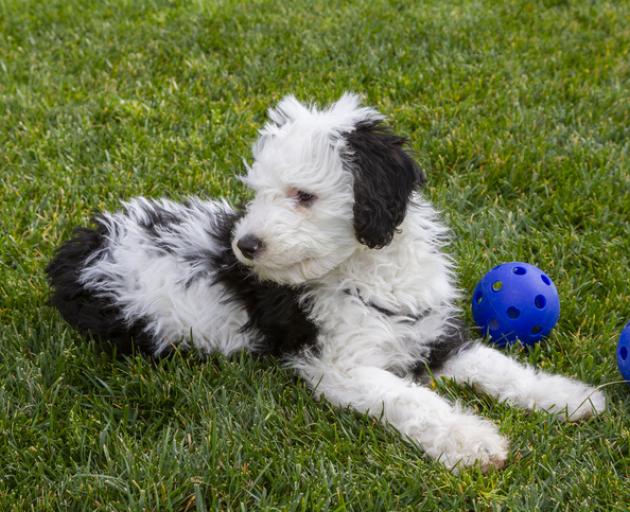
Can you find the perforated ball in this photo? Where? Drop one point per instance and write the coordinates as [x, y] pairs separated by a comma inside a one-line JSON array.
[[623, 352], [516, 301]]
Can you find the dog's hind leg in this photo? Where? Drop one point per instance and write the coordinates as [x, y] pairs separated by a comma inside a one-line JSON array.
[[494, 373], [447, 433]]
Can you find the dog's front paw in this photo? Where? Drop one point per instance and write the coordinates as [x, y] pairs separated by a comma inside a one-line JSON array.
[[572, 400], [589, 402], [467, 440]]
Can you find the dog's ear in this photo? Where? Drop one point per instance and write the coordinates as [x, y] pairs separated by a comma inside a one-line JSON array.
[[288, 109], [384, 178]]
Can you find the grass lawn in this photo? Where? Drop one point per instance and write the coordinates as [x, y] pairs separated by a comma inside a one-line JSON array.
[[520, 113]]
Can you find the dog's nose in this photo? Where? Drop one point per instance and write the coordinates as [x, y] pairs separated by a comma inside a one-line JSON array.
[[249, 245]]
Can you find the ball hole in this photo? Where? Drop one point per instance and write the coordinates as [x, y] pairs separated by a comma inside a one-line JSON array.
[[545, 279], [519, 271], [493, 325], [478, 298], [497, 285], [536, 329], [540, 301], [623, 353], [513, 312]]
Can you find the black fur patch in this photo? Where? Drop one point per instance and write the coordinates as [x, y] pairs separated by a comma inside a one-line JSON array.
[[90, 314], [384, 178], [456, 339], [274, 310], [158, 219]]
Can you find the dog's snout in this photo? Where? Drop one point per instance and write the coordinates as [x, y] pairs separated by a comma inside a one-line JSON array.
[[250, 246]]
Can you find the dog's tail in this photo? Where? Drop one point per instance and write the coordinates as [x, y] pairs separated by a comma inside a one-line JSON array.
[[92, 314]]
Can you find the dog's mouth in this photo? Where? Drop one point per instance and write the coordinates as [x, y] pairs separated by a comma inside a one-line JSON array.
[[290, 273], [291, 267], [265, 262]]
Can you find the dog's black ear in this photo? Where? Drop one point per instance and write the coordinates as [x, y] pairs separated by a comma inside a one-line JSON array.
[[384, 178]]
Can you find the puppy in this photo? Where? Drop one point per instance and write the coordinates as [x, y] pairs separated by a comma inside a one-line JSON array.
[[336, 265]]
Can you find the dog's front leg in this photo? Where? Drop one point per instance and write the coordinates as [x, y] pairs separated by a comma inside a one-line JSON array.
[[506, 379], [447, 433]]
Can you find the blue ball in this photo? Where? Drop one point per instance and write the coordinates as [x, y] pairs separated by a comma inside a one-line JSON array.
[[623, 352], [516, 301]]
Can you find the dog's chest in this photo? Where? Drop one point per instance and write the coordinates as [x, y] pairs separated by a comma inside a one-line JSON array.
[[358, 332]]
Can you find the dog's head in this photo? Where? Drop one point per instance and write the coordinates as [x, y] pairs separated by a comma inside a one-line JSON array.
[[325, 182]]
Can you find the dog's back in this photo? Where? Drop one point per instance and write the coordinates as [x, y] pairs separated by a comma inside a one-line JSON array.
[[159, 274]]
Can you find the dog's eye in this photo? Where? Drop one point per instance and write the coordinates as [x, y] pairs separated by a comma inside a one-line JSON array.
[[304, 198]]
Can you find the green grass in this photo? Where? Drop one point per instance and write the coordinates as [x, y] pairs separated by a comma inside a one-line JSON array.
[[518, 110]]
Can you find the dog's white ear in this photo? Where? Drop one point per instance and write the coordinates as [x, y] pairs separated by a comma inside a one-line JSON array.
[[348, 103], [349, 111], [288, 109]]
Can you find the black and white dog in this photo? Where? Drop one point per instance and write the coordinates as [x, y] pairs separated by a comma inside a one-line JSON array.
[[336, 265]]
